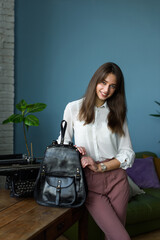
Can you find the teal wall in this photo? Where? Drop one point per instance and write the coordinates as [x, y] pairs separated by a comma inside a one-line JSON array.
[[61, 43]]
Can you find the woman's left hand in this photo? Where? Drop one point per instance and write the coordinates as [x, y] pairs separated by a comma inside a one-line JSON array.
[[90, 163]]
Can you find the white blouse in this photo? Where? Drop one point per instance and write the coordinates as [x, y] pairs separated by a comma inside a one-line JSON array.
[[99, 141]]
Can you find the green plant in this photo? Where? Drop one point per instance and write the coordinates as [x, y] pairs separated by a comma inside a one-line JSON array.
[[156, 115], [26, 117]]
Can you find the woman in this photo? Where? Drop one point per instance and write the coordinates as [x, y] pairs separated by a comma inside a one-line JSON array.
[[98, 124]]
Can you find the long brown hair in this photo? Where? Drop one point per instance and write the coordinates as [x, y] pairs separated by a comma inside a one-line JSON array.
[[116, 103]]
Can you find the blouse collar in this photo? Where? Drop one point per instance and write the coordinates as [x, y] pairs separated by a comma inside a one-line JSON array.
[[103, 106]]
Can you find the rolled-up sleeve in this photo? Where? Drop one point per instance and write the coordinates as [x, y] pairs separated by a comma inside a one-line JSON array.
[[125, 152]]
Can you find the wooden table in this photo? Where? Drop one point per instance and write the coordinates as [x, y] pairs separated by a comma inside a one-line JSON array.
[[24, 219]]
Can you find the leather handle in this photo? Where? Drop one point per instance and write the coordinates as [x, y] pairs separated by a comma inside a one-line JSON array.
[[63, 129]]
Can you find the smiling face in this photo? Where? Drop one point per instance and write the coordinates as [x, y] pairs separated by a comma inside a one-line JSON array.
[[105, 89]]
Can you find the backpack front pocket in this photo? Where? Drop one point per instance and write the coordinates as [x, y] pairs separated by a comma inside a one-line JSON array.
[[59, 190]]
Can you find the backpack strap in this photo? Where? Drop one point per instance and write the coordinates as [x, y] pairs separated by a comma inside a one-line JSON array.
[[63, 130]]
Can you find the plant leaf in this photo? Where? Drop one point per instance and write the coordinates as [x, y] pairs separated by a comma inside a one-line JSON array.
[[157, 102], [31, 120], [27, 127], [21, 106], [15, 118], [155, 115], [36, 107]]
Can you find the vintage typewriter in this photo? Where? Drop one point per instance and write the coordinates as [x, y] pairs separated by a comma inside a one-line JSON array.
[[21, 173]]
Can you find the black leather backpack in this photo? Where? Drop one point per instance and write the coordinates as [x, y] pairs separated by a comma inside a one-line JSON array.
[[61, 182]]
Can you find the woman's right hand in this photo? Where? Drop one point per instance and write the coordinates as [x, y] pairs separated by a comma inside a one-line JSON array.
[[82, 150]]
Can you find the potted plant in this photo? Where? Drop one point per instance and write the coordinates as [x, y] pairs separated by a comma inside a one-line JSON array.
[[26, 118]]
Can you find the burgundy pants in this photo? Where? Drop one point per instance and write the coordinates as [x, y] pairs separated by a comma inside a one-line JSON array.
[[107, 201]]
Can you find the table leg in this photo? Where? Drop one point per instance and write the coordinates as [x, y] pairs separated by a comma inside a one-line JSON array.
[[83, 226]]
